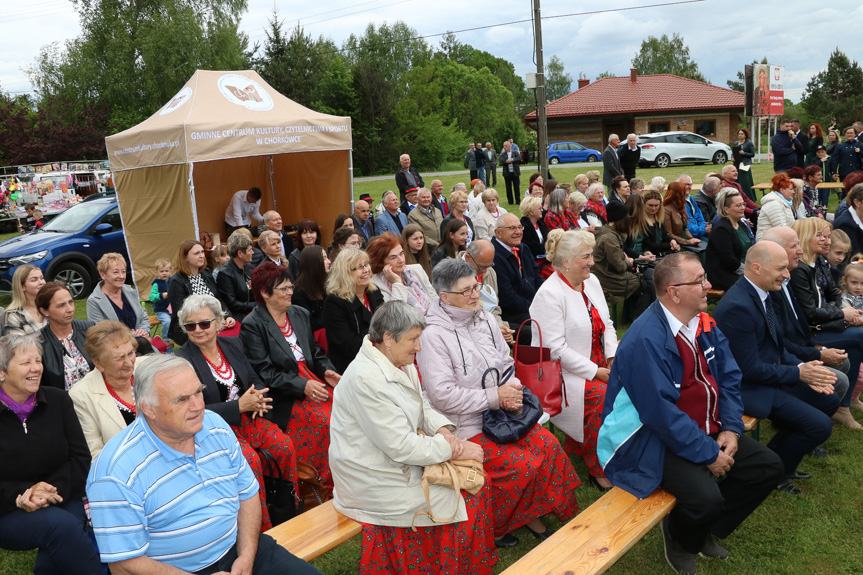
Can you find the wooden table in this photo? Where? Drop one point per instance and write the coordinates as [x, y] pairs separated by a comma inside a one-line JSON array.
[[763, 187]]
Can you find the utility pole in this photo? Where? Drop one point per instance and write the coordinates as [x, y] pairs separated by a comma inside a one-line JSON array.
[[541, 127]]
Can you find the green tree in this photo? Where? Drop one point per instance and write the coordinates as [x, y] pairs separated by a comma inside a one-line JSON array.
[[739, 83], [557, 82], [836, 92], [606, 74], [134, 56], [666, 55]]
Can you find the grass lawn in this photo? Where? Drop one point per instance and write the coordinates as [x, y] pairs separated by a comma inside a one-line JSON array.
[[817, 533]]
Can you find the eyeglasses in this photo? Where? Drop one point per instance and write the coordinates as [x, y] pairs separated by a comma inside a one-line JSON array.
[[362, 266], [204, 325], [702, 282], [467, 291], [510, 228], [479, 267], [284, 289]]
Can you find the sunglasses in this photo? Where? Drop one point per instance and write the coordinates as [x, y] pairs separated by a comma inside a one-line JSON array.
[[204, 325]]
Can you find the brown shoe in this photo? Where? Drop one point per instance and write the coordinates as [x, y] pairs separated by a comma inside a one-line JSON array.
[[857, 404], [843, 416]]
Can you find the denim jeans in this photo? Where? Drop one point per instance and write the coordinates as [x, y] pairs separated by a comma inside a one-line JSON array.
[[165, 318]]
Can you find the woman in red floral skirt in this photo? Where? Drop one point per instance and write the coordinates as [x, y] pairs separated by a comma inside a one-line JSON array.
[[529, 478], [377, 458], [281, 347]]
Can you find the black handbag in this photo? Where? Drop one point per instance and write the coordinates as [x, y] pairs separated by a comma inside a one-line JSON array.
[[503, 426], [281, 501]]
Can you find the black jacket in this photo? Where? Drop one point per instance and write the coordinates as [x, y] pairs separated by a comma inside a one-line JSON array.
[[798, 335], [628, 159], [515, 287], [820, 312], [179, 289], [846, 223], [315, 307], [53, 373], [234, 291], [530, 240], [274, 362], [232, 348], [53, 449], [347, 322], [722, 256], [450, 218], [650, 243]]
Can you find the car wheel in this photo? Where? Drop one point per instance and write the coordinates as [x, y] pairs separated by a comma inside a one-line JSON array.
[[553, 161], [592, 158], [75, 278], [720, 157], [662, 160]]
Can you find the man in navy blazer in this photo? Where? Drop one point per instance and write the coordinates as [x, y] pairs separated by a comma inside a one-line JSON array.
[[798, 397], [392, 219], [517, 273]]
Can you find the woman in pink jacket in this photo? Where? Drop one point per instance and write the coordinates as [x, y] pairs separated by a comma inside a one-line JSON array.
[[529, 478]]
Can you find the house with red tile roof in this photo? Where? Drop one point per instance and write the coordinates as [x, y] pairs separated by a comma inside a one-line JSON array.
[[642, 104]]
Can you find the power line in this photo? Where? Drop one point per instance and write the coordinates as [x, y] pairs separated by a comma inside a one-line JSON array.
[[326, 13], [341, 16]]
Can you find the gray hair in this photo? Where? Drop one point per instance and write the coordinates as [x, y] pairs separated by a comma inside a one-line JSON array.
[[578, 199], [562, 245], [196, 303], [147, 368], [448, 272], [395, 318], [475, 248], [681, 176], [710, 185], [387, 193], [12, 343], [613, 137], [489, 193], [268, 214], [591, 189], [556, 199], [722, 198], [238, 243], [631, 136]]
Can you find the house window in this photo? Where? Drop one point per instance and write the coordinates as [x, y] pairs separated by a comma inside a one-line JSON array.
[[705, 127], [658, 127]]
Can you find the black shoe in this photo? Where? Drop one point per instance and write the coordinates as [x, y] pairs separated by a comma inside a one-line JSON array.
[[597, 485], [541, 536], [821, 452], [508, 540], [788, 487], [680, 560], [799, 475], [713, 549]]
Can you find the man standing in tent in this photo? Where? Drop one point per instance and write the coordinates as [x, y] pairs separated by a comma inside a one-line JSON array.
[[245, 205]]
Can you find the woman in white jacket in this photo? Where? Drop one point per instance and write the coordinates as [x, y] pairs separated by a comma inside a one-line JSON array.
[[377, 459], [776, 210], [486, 217], [573, 316]]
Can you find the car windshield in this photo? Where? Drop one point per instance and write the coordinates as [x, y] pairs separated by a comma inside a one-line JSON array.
[[75, 218]]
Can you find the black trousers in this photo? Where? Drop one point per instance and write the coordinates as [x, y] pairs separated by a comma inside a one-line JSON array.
[[801, 417], [705, 505], [491, 175], [271, 559], [513, 187]]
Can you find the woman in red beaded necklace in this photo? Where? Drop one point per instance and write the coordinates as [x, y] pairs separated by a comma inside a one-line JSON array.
[[233, 390], [103, 398]]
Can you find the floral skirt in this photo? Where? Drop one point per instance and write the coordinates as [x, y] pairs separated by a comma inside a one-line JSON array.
[[464, 548], [260, 433], [309, 429], [528, 479], [594, 397]]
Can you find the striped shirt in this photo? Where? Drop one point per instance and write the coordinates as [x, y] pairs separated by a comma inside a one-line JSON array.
[[146, 498]]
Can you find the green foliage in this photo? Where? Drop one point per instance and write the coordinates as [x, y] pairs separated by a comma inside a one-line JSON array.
[[606, 74], [836, 92], [666, 55], [557, 82]]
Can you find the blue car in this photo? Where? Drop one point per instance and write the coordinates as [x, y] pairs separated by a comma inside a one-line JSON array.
[[67, 248], [563, 152]]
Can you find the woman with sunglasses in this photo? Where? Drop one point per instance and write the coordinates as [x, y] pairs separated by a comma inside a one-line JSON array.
[[281, 348], [351, 300], [233, 390], [395, 279]]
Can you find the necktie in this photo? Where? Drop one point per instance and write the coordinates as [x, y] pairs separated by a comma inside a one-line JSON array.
[[518, 259], [771, 318]]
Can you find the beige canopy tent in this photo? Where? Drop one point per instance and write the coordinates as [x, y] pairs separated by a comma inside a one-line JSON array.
[[176, 171]]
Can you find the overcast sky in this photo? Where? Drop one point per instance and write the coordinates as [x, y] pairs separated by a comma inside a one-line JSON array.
[[722, 35]]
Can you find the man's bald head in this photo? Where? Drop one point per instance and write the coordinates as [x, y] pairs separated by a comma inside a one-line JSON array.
[[788, 240], [710, 186], [362, 210], [767, 265]]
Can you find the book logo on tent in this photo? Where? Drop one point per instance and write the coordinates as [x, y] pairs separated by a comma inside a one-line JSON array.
[[245, 92], [181, 98]]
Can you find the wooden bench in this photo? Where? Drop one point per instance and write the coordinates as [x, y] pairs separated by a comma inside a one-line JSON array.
[[751, 426], [764, 188], [715, 294], [597, 537], [315, 532]]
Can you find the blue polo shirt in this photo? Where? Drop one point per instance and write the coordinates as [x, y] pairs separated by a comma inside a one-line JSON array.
[[146, 498]]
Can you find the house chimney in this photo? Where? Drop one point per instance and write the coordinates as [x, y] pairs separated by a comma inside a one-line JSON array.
[[632, 74], [583, 81]]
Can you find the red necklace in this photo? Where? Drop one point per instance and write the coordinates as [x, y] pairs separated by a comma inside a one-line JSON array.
[[223, 370], [566, 281], [117, 398], [287, 329]]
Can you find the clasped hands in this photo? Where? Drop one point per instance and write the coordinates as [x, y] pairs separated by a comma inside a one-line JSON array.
[[317, 391], [510, 396], [38, 496], [727, 441]]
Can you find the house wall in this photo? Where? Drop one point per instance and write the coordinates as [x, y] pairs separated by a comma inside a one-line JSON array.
[[725, 131]]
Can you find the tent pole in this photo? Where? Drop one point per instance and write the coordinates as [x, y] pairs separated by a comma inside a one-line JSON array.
[[351, 170], [272, 184], [192, 194]]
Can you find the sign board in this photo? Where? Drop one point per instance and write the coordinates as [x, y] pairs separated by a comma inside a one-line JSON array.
[[765, 90]]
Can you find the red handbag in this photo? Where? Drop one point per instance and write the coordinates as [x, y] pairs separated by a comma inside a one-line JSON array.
[[535, 369]]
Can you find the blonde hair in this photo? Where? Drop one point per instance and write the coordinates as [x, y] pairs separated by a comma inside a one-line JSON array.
[[807, 229], [837, 236], [162, 262], [457, 196], [566, 244], [658, 184], [528, 204], [19, 278], [108, 260], [104, 334], [855, 266], [592, 176], [490, 193], [577, 199], [579, 179], [797, 198], [339, 280]]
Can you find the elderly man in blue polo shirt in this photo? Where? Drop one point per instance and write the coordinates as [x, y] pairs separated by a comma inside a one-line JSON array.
[[172, 492]]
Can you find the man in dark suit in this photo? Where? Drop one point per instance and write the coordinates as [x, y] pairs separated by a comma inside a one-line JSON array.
[[797, 397], [490, 165], [273, 221], [629, 156], [362, 219], [407, 177], [785, 145], [611, 167], [509, 164], [846, 220], [517, 273], [804, 139]]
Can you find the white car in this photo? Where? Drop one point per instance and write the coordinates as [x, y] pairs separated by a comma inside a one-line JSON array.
[[663, 149]]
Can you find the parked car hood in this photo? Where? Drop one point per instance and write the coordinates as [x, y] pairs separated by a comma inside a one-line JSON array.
[[30, 243]]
